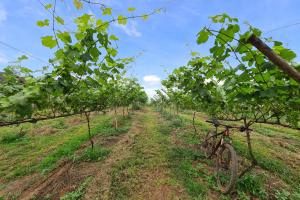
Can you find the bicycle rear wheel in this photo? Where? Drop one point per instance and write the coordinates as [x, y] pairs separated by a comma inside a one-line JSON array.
[[226, 168]]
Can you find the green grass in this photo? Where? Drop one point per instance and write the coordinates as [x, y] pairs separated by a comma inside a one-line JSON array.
[[262, 150], [265, 161], [271, 157], [253, 184], [181, 160], [40, 153], [12, 137], [79, 192], [154, 148], [149, 152], [95, 154]]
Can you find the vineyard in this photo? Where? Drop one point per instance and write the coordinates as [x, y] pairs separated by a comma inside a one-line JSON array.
[[223, 126]]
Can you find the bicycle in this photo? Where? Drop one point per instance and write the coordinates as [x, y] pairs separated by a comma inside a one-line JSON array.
[[224, 154]]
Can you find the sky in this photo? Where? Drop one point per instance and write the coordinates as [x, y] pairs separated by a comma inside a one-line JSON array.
[[161, 44]]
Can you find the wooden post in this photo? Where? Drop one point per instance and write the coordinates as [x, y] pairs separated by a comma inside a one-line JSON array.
[[87, 115], [253, 159], [116, 120], [274, 58], [194, 115]]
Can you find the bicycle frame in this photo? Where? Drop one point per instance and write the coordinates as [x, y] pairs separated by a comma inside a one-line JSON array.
[[224, 134]]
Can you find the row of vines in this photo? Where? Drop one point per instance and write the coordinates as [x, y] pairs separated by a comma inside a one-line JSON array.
[[84, 75], [236, 81]]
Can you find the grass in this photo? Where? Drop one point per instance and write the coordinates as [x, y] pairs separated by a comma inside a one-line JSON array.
[[274, 147], [266, 162], [12, 137], [181, 160], [165, 146], [253, 184], [41, 153], [149, 155], [79, 192], [96, 154]]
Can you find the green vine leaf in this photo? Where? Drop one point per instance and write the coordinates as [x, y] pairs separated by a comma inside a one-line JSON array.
[[113, 37], [64, 37], [49, 42], [59, 20], [203, 36], [42, 23], [131, 9], [122, 20], [145, 17], [107, 11], [48, 6], [21, 58]]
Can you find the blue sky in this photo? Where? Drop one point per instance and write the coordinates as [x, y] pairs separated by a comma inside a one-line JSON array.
[[165, 40]]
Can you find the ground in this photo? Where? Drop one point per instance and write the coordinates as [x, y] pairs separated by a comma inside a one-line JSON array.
[[151, 155]]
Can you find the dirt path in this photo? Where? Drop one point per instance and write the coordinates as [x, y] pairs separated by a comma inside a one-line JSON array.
[[100, 186], [145, 172]]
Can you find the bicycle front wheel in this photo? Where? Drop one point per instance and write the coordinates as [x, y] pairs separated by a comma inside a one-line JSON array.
[[226, 168], [209, 144]]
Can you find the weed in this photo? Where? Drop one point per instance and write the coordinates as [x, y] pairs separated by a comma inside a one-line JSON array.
[[252, 184], [223, 197], [109, 131], [12, 137], [68, 148], [265, 161], [167, 115], [189, 137], [124, 178], [181, 162], [18, 172], [95, 154], [242, 196], [282, 195], [164, 129], [180, 153], [296, 194], [79, 192], [211, 181], [60, 125], [177, 122]]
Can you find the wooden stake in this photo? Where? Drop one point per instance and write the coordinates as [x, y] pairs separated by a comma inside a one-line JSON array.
[[274, 58]]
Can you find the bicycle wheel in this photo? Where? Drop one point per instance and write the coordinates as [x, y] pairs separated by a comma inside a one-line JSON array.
[[209, 144], [226, 168]]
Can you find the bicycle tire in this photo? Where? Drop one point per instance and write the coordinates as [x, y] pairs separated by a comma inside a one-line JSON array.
[[232, 168], [209, 144]]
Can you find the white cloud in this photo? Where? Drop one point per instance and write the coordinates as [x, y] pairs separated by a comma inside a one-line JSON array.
[[130, 28], [151, 83], [3, 15], [151, 80]]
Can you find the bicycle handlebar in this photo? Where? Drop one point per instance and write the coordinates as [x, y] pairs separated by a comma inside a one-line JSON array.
[[217, 123]]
